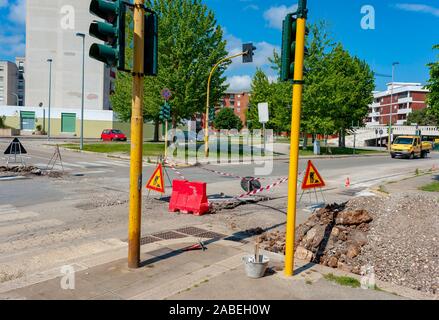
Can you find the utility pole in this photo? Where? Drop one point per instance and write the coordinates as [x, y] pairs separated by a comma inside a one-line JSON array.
[[82, 35], [247, 55], [50, 97], [391, 106], [135, 213], [298, 82]]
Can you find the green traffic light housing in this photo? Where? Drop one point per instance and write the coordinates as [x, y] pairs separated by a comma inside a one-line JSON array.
[[288, 47], [249, 48], [112, 32]]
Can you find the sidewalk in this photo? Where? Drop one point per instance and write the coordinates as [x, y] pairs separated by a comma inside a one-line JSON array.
[[167, 272]]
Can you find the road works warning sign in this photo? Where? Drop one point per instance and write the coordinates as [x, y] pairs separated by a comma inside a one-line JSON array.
[[312, 178], [156, 182]]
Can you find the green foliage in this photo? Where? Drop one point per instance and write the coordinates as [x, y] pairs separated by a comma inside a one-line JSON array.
[[422, 117], [343, 281], [433, 86], [226, 119], [337, 91], [190, 43], [432, 187]]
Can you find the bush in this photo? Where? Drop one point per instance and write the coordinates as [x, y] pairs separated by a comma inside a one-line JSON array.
[[226, 119]]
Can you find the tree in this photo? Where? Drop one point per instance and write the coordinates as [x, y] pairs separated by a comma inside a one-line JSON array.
[[227, 119], [433, 86], [422, 118], [190, 43]]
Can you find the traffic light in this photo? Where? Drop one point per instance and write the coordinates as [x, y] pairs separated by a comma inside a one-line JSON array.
[[288, 59], [249, 48], [288, 47], [211, 114], [151, 44], [165, 112], [112, 32]]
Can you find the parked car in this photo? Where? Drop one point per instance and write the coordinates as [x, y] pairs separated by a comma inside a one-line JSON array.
[[113, 135]]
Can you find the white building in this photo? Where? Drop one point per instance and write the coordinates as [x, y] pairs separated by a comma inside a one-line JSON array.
[[51, 28]]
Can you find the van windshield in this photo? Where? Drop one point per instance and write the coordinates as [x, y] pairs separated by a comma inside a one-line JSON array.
[[404, 141]]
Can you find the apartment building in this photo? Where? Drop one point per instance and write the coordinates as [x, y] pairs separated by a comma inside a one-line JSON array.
[[396, 103], [8, 83], [239, 102], [20, 62]]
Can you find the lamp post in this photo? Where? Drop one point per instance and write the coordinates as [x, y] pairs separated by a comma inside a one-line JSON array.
[[50, 97], [82, 35], [17, 101], [391, 105]]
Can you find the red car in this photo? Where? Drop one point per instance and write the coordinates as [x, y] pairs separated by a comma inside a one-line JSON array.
[[113, 135]]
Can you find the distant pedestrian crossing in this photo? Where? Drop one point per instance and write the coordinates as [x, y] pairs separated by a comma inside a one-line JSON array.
[[107, 165]]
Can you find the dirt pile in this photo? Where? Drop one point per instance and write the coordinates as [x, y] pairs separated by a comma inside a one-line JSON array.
[[28, 170], [332, 236]]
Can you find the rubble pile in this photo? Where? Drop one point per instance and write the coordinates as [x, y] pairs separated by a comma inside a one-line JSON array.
[[29, 170], [332, 237]]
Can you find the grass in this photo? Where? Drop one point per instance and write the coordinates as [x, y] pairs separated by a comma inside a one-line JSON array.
[[149, 149], [337, 151], [343, 281], [432, 187], [383, 189]]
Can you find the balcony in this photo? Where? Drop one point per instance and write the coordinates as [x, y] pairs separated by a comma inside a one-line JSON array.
[[401, 122], [404, 111], [405, 100], [375, 105], [374, 114]]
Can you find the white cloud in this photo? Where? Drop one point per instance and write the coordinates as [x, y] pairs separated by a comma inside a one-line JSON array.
[[275, 15], [12, 45], [239, 83], [418, 8], [264, 50], [17, 12], [252, 7]]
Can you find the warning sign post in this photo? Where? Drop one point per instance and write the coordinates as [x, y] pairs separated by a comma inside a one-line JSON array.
[[312, 178], [156, 182]]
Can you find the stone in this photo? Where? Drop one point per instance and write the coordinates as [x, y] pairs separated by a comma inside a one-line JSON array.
[[358, 237], [353, 251], [343, 266], [357, 217], [333, 262], [303, 254], [335, 232]]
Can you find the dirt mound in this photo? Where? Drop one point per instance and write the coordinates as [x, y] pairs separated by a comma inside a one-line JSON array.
[[29, 170]]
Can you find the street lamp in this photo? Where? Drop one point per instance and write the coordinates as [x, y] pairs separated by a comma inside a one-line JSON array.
[[50, 97], [17, 101], [82, 35], [391, 105]]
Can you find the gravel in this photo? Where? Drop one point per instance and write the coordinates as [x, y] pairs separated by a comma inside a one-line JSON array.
[[403, 239]]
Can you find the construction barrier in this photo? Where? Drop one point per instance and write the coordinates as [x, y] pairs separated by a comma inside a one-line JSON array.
[[189, 197]]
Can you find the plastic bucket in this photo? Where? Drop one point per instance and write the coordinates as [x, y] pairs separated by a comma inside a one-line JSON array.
[[254, 269]]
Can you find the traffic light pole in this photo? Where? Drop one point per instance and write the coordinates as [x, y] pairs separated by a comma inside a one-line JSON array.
[[206, 125], [135, 212], [295, 132]]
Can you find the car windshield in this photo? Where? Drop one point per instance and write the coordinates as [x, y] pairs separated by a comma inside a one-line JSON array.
[[404, 141], [116, 131]]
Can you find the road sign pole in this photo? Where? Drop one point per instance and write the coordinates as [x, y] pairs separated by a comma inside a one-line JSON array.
[[166, 139], [295, 132], [136, 138]]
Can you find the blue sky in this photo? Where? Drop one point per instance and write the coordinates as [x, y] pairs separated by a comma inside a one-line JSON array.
[[405, 31]]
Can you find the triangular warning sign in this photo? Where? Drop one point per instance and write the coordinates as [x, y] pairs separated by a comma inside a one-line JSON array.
[[156, 182], [15, 148], [312, 178]]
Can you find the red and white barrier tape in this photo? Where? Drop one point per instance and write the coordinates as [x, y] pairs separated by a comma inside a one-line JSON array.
[[172, 166], [230, 175], [267, 188]]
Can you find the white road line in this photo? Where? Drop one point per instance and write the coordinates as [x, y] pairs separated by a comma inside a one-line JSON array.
[[17, 216], [91, 164], [26, 227], [113, 163], [69, 164], [90, 172]]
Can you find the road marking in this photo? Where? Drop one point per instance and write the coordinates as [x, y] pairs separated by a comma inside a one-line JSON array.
[[26, 227], [17, 216], [12, 178], [113, 163], [90, 172], [91, 165]]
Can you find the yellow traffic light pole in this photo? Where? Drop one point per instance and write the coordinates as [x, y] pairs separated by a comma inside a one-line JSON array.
[[206, 125], [135, 214], [294, 153]]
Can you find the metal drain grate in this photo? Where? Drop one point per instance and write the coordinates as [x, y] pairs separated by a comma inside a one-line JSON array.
[[191, 231], [211, 235], [148, 239], [168, 235]]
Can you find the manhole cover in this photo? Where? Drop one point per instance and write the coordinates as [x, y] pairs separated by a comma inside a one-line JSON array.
[[211, 235], [169, 235], [148, 239], [192, 231]]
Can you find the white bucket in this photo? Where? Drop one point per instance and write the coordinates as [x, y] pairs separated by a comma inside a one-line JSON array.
[[254, 269]]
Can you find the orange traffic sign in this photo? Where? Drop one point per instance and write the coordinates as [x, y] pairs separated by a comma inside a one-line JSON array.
[[156, 182], [312, 178]]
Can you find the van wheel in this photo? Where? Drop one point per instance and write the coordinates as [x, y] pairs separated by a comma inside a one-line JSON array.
[[423, 154], [412, 155]]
